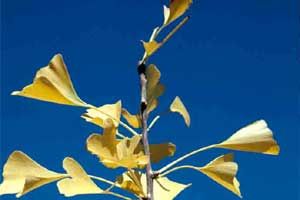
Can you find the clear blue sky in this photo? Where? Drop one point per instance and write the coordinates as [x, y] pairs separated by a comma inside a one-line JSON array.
[[233, 63]]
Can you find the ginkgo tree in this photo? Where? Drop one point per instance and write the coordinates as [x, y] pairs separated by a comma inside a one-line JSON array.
[[130, 151]]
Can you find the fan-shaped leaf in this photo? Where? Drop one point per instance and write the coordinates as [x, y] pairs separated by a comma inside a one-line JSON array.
[[177, 9], [223, 170], [115, 153], [256, 137], [178, 106], [99, 115], [21, 175], [79, 183], [133, 120], [52, 83]]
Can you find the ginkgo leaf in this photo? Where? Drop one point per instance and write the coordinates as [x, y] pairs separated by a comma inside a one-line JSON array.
[[154, 88], [177, 9], [131, 181], [52, 83], [151, 47], [99, 115], [79, 182], [223, 170], [115, 153], [159, 151], [178, 106], [133, 120], [163, 188], [21, 175], [256, 137]]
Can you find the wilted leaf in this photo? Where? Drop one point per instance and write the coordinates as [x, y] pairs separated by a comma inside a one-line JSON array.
[[21, 175], [159, 151], [256, 137], [79, 183], [52, 83], [178, 106], [223, 170], [115, 153], [133, 120], [99, 115], [177, 9], [163, 187]]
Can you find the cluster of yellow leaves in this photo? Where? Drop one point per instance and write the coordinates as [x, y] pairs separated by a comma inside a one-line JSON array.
[[21, 175], [176, 10], [154, 90], [256, 137], [164, 188], [52, 83]]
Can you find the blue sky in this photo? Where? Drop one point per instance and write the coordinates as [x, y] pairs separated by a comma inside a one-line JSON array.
[[233, 63]]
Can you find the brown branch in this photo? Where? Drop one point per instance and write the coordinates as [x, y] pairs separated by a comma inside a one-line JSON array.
[[144, 116]]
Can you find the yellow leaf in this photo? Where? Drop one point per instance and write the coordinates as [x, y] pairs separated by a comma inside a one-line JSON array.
[[132, 183], [52, 83], [99, 115], [21, 175], [177, 8], [151, 47], [178, 106], [133, 120], [256, 137], [163, 187], [223, 170], [115, 153], [159, 151], [79, 183], [154, 88]]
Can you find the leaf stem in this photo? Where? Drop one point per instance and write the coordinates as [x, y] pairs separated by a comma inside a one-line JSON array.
[[184, 157], [153, 122], [102, 179], [118, 195], [177, 168]]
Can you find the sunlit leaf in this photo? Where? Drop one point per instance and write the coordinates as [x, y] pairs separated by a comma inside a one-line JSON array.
[[21, 175], [151, 47], [177, 9], [154, 88], [163, 187], [133, 120], [159, 151], [132, 183], [256, 137], [223, 170], [78, 183], [52, 83], [99, 115], [178, 106], [115, 153]]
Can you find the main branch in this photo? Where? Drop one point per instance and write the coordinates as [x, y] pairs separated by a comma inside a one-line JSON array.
[[144, 118]]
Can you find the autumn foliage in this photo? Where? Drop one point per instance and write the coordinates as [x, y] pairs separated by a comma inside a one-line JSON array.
[[52, 83]]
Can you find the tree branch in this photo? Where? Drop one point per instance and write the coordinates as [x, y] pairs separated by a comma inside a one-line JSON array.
[[144, 117]]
